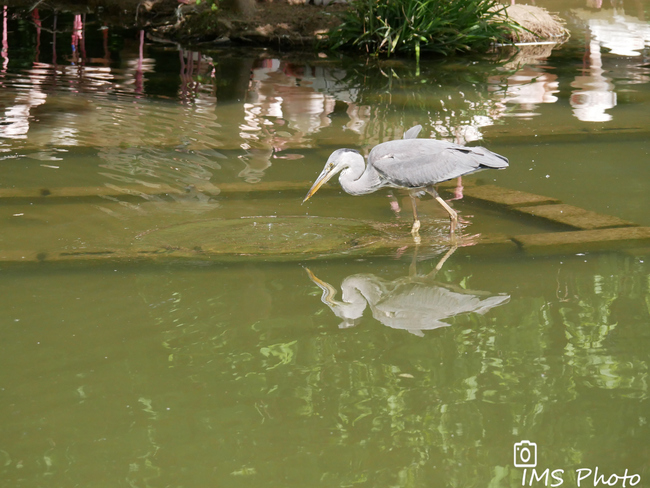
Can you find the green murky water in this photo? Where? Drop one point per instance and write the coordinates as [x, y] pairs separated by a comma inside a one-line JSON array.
[[309, 357]]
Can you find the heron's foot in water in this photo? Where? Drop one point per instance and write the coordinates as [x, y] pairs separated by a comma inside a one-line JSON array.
[[454, 224], [453, 239], [452, 230], [415, 231]]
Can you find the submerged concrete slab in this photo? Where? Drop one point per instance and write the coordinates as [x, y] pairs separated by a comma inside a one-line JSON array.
[[109, 190], [490, 245], [53, 193], [583, 240], [504, 196], [301, 237], [575, 216], [636, 239]]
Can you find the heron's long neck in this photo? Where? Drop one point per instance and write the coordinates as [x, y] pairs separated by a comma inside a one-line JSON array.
[[352, 305], [358, 179]]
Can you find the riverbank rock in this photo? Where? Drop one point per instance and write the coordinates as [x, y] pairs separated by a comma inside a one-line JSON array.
[[537, 25]]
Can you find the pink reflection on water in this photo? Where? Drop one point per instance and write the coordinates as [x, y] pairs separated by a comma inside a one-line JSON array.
[[5, 44], [37, 22], [77, 43], [139, 76], [283, 106], [198, 76]]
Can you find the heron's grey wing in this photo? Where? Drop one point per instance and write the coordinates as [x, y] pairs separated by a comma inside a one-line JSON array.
[[417, 163], [412, 133]]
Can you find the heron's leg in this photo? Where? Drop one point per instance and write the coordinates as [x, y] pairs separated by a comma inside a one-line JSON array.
[[415, 230], [453, 216], [416, 220]]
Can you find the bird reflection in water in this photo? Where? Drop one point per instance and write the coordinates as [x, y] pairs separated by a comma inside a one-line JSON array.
[[412, 303]]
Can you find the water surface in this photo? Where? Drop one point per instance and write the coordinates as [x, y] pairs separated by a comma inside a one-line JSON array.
[[251, 371]]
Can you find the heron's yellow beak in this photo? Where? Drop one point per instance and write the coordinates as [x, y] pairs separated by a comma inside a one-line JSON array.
[[323, 178]]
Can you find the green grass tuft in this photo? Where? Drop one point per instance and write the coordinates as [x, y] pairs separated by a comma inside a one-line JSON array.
[[414, 26]]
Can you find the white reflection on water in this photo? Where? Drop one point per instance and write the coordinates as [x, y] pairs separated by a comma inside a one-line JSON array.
[[614, 30], [30, 88], [285, 103], [529, 87], [406, 303], [413, 303], [595, 92], [621, 35], [15, 123]]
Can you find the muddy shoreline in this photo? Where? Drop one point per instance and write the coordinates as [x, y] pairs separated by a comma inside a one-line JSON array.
[[272, 24], [276, 24]]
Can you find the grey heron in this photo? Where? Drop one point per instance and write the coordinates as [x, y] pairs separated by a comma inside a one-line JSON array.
[[410, 163]]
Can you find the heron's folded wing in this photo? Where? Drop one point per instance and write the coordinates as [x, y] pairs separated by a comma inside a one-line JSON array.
[[416, 163]]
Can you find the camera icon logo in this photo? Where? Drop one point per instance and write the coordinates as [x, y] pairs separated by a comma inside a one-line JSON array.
[[525, 454]]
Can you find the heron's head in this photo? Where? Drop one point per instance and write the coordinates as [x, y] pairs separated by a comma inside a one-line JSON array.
[[337, 162]]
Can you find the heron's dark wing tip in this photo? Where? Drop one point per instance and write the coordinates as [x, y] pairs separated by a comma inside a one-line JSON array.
[[490, 159]]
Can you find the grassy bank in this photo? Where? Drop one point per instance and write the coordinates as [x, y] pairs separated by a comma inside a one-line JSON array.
[[440, 26]]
